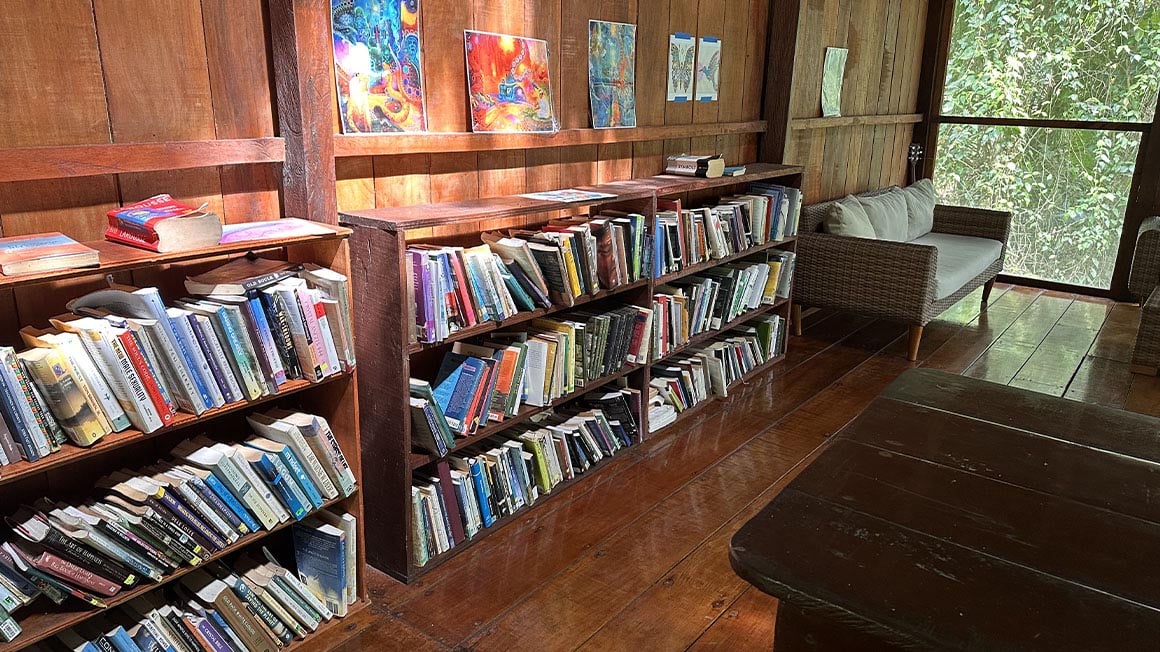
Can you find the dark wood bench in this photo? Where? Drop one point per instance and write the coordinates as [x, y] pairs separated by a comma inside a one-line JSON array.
[[964, 515]]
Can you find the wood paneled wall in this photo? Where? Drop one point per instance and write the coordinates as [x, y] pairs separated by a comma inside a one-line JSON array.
[[405, 179], [885, 42], [77, 72]]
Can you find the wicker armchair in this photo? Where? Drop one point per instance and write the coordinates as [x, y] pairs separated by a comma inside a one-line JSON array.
[[1142, 283], [891, 280]]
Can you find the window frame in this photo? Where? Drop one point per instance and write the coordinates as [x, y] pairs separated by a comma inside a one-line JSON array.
[[1143, 197]]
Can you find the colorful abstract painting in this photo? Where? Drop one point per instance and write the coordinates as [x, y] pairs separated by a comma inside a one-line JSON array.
[[376, 65], [708, 77], [682, 50], [612, 74], [507, 83]]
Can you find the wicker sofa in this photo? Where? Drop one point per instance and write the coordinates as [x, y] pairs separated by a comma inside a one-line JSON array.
[[895, 280]]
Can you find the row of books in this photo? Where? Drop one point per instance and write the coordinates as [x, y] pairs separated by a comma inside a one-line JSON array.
[[138, 526], [705, 302], [682, 237], [479, 383], [456, 287], [124, 358], [251, 605], [712, 369], [497, 477]]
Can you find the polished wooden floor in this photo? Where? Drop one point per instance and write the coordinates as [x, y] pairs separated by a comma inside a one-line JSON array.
[[635, 558]]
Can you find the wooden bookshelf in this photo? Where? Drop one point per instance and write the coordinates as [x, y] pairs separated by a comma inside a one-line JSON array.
[[379, 243], [72, 471]]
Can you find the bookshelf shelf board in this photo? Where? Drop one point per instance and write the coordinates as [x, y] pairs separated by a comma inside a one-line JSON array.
[[523, 317], [67, 161], [330, 633], [38, 625], [717, 262], [69, 453], [672, 184], [438, 143], [402, 218], [526, 412], [596, 469], [692, 412], [119, 258], [710, 334]]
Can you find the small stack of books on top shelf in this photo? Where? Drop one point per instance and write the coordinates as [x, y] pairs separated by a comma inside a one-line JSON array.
[[125, 358], [712, 369], [138, 526], [456, 288], [682, 237], [488, 381], [497, 477]]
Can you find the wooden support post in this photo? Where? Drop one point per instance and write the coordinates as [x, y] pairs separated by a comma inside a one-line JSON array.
[[783, 27], [302, 72], [797, 319]]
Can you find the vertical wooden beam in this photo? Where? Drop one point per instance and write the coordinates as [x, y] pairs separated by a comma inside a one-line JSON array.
[[1143, 201], [940, 19], [783, 16], [300, 32]]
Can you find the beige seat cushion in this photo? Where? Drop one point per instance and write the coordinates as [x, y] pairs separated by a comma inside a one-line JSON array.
[[887, 214], [847, 217], [960, 259], [920, 201]]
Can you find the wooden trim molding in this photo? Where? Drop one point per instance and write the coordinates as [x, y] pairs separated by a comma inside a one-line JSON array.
[[991, 121], [799, 124], [66, 161], [438, 142]]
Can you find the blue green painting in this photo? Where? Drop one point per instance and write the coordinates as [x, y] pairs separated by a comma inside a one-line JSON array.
[[612, 73]]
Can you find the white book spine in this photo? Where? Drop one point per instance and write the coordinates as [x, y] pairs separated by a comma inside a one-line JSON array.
[[138, 404], [92, 368], [291, 436], [263, 490], [327, 334]]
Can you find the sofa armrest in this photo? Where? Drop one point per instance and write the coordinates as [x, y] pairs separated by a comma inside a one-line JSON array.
[[880, 278], [977, 222], [1145, 272]]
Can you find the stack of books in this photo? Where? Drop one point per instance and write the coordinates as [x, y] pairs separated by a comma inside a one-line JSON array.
[[702, 303], [251, 604], [710, 370], [683, 237], [497, 477], [456, 288], [140, 525], [125, 358], [488, 381]]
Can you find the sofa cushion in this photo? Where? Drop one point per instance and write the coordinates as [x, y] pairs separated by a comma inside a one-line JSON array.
[[920, 201], [887, 214], [847, 217], [960, 259]]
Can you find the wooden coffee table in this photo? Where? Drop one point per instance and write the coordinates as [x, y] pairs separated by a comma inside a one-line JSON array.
[[959, 514]]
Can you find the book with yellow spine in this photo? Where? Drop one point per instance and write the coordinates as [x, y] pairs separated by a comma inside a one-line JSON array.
[[62, 391]]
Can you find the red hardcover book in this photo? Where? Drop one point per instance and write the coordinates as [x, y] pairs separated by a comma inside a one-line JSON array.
[[462, 281], [73, 574], [164, 409], [482, 397]]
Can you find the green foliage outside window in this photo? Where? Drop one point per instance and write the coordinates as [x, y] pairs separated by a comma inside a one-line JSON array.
[[1067, 188]]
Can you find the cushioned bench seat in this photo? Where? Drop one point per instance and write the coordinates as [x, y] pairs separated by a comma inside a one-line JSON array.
[[960, 259]]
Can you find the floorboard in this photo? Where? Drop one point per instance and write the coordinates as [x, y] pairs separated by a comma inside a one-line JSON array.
[[635, 558]]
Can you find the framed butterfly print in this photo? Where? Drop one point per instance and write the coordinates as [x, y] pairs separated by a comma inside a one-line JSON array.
[[707, 78], [682, 52]]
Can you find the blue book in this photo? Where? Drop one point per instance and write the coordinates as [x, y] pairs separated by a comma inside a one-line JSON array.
[[290, 461], [458, 408], [267, 467], [224, 628], [482, 493], [10, 411], [145, 640], [153, 298], [230, 500], [121, 640], [209, 631], [320, 554], [214, 366], [522, 299], [658, 259], [72, 641]]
